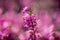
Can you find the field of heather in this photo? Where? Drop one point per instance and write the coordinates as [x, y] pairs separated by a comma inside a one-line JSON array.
[[29, 20]]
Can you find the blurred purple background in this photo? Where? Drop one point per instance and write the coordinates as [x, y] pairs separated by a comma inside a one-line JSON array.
[[47, 11]]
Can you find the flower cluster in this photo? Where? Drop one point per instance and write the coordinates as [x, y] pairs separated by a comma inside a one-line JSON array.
[[31, 23], [30, 20], [5, 28]]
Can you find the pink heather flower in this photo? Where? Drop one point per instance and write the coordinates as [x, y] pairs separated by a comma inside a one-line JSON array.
[[28, 33], [24, 9], [38, 36], [5, 24], [31, 35], [30, 20], [4, 33], [5, 27]]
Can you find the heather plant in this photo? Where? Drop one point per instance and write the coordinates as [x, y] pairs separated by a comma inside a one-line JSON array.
[[30, 20]]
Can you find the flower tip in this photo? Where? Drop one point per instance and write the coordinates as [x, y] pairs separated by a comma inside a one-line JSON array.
[[24, 9]]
